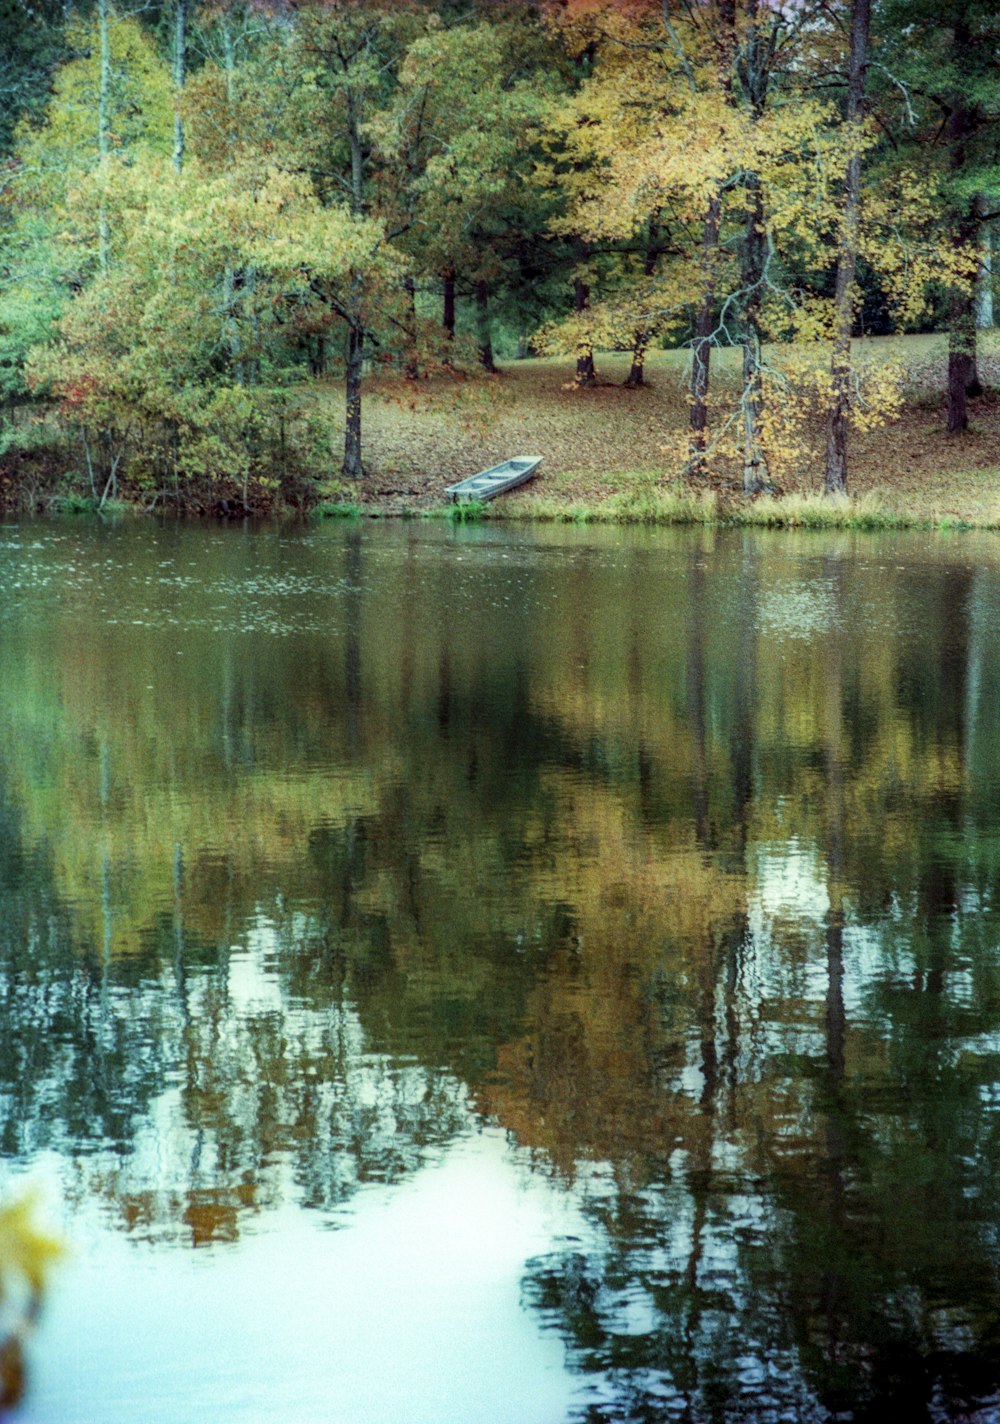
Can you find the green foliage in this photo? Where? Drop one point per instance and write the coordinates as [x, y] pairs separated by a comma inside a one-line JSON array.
[[32, 45], [33, 293], [27, 437]]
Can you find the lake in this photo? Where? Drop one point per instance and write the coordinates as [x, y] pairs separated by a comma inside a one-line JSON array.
[[485, 976]]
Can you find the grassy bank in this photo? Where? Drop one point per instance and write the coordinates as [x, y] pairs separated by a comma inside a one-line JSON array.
[[604, 454], [605, 449]]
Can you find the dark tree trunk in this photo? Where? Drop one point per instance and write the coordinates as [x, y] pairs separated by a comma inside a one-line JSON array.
[[961, 360], [835, 481], [704, 326], [637, 371], [752, 400], [485, 341], [411, 368], [317, 355], [962, 318], [640, 339], [585, 372], [352, 467], [448, 311]]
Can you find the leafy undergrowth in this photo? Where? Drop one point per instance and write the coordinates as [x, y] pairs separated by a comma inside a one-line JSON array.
[[422, 436]]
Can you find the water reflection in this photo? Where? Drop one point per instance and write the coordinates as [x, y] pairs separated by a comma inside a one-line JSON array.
[[673, 856]]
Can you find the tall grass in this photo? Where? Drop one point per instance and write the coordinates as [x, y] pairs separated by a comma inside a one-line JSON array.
[[643, 501], [816, 511]]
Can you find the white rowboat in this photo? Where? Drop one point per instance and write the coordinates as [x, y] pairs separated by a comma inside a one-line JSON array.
[[498, 479]]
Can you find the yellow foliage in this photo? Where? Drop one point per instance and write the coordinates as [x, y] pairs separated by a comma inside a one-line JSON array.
[[27, 1251]]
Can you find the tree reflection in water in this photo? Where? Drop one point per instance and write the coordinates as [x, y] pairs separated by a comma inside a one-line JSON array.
[[675, 856]]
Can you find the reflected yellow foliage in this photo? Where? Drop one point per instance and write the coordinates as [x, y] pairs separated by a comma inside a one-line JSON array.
[[579, 850]]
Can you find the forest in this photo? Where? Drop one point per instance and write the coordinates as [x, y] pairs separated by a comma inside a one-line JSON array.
[[225, 227]]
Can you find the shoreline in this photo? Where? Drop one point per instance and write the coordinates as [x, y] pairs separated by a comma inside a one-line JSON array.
[[611, 455]]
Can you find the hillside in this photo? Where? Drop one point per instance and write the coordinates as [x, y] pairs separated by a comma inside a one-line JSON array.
[[421, 436]]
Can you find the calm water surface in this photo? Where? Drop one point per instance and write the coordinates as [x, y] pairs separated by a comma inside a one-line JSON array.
[[479, 977]]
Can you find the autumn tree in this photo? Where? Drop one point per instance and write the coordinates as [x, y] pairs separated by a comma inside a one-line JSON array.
[[735, 219], [454, 153], [136, 356]]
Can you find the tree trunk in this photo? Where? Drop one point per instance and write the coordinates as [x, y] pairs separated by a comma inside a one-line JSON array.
[[352, 468], [982, 299], [984, 276], [835, 481], [754, 69], [961, 359], [640, 338], [448, 312], [724, 40], [229, 280], [702, 348], [752, 400], [962, 322], [485, 340], [637, 371], [103, 124], [180, 74], [585, 372], [411, 368]]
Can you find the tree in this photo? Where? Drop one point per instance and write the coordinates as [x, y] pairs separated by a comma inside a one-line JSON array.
[[33, 47], [739, 220], [348, 56], [136, 360], [942, 80], [847, 257], [110, 101], [453, 152]]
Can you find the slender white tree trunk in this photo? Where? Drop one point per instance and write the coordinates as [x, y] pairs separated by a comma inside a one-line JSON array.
[[180, 74], [984, 277], [835, 479], [103, 120]]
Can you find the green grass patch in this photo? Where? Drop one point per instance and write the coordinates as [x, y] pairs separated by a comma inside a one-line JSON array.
[[76, 503], [470, 511]]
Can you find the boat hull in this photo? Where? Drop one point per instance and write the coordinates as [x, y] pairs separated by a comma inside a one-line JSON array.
[[498, 479]]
